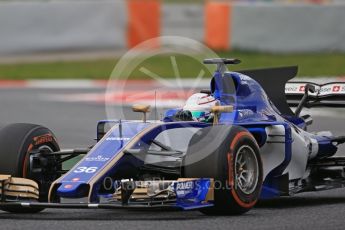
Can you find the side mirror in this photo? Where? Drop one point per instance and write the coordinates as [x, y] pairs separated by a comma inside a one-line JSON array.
[[309, 88], [103, 127], [141, 109], [218, 109]]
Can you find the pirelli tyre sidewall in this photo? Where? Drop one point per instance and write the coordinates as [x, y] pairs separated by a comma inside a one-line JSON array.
[[220, 164], [244, 140], [16, 142]]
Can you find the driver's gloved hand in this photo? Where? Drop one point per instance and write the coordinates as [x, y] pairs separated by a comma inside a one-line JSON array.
[[183, 115]]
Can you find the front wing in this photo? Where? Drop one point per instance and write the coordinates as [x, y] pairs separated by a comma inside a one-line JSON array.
[[182, 194]]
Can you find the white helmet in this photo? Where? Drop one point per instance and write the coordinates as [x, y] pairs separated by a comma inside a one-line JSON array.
[[200, 105]]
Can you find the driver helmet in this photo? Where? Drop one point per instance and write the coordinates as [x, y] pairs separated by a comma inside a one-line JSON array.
[[200, 105]]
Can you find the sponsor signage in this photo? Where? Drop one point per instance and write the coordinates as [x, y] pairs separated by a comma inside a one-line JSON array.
[[323, 90]]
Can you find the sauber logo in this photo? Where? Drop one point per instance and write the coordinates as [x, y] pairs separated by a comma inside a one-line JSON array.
[[118, 139], [336, 88], [325, 89], [188, 185], [244, 77], [99, 158]]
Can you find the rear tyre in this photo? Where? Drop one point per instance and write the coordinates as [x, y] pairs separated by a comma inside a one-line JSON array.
[[231, 156], [16, 142]]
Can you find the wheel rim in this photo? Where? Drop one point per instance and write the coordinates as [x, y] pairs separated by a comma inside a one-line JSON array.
[[46, 147], [246, 170]]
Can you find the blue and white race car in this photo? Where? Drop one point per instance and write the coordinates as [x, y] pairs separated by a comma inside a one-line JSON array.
[[219, 159]]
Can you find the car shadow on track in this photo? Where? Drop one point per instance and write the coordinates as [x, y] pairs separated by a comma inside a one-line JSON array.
[[295, 202], [117, 215], [92, 215]]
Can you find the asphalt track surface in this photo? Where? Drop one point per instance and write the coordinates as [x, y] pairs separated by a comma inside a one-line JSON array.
[[75, 126]]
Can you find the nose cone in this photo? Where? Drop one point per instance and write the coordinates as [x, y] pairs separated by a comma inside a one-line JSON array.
[[73, 190]]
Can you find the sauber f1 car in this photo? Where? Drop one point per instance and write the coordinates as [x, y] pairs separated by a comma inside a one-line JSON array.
[[251, 147]]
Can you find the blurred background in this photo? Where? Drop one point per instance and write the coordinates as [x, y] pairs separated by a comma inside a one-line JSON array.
[[73, 39]]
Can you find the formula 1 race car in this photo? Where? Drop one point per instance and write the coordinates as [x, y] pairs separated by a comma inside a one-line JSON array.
[[251, 146]]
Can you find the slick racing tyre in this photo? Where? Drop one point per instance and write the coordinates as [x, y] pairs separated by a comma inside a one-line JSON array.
[[16, 142], [230, 155]]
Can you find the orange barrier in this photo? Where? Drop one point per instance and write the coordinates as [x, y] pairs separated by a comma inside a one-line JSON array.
[[217, 25], [143, 21]]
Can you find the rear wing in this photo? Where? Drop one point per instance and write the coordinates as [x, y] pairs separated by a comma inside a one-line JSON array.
[[330, 94]]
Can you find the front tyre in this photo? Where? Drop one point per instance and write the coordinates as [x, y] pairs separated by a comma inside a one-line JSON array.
[[16, 143], [231, 156]]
